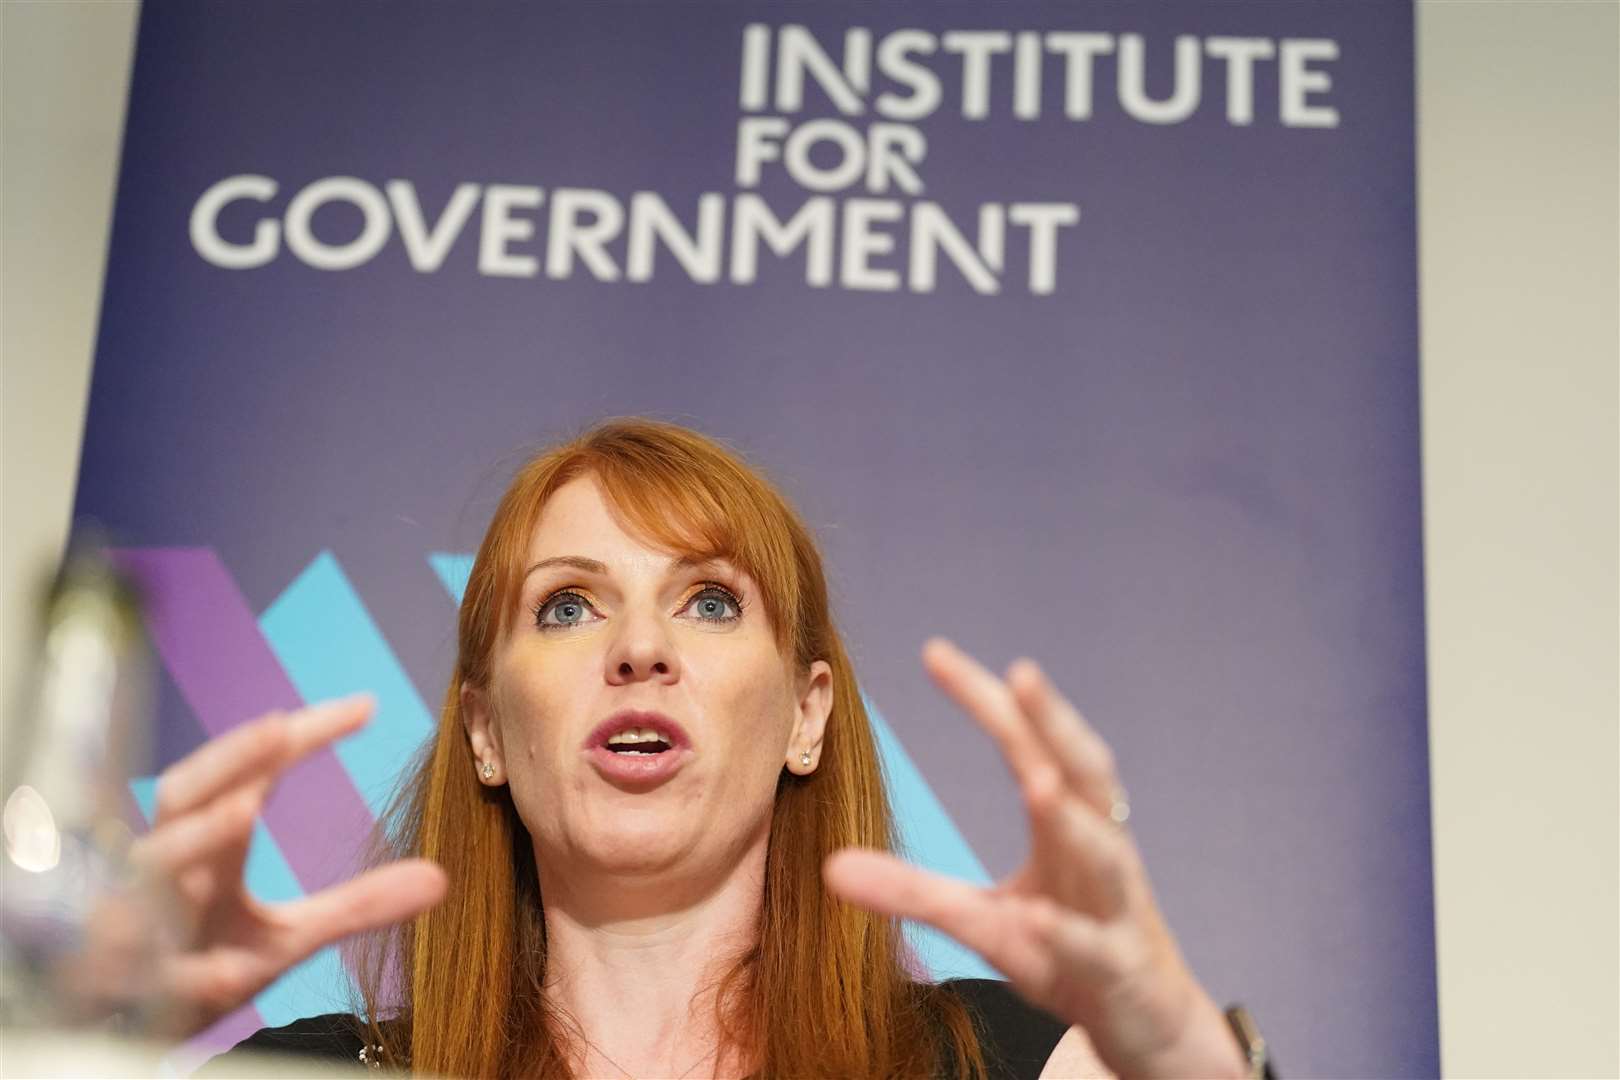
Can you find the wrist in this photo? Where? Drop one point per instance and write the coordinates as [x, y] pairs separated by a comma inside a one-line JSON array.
[[1206, 1048]]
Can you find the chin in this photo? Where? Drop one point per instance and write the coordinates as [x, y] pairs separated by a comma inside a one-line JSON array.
[[637, 842]]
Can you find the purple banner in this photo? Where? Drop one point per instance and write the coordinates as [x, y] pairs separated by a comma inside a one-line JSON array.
[[1083, 331]]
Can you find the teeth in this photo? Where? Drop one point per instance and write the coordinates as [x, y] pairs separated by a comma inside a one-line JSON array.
[[631, 736]]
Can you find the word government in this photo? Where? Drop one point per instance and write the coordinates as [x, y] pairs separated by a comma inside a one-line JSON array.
[[876, 244]]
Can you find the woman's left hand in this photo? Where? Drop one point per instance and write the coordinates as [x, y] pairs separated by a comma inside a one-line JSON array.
[[1076, 929]]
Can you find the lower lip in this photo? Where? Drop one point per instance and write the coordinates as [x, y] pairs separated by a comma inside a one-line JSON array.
[[636, 772]]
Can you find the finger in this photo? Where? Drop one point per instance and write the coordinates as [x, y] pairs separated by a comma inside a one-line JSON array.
[[255, 751], [1082, 859], [310, 729], [988, 700], [1086, 760], [1007, 931], [192, 838], [219, 765], [382, 897]]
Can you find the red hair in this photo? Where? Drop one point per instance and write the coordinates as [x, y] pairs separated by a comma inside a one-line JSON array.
[[825, 990]]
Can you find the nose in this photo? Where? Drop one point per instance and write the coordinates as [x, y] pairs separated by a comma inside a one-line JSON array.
[[641, 652]]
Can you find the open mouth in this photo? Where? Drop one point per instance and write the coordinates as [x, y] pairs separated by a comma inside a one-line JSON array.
[[643, 742], [638, 749]]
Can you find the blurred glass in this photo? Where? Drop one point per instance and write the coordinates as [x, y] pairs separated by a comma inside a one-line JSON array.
[[80, 932]]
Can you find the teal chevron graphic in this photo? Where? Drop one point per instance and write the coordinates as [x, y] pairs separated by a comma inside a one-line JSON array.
[[929, 838], [453, 571], [323, 636], [327, 644]]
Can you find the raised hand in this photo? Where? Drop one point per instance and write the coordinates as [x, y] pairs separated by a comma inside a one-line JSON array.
[[1076, 929], [230, 946]]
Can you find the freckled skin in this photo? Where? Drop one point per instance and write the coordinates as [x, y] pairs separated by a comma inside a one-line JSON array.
[[640, 641]]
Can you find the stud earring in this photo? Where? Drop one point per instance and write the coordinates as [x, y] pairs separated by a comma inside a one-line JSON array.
[[804, 759], [488, 770]]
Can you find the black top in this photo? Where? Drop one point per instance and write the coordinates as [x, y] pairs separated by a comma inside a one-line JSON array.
[[1017, 1038]]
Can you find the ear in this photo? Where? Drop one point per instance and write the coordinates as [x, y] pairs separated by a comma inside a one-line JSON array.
[[810, 720], [483, 734]]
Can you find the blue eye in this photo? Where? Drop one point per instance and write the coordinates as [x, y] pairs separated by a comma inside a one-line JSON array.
[[570, 608], [711, 603], [566, 608]]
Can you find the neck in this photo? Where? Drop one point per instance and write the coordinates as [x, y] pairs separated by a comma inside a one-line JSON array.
[[636, 961]]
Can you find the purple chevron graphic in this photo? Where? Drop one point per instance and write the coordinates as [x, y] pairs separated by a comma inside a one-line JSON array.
[[209, 639], [223, 1034]]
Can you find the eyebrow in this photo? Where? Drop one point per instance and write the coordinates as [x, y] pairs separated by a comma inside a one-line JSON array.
[[593, 566]]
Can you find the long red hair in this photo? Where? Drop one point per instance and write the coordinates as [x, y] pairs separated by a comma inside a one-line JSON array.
[[825, 991]]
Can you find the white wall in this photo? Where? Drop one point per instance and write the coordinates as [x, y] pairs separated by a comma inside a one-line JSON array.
[[1519, 106], [64, 74], [1519, 102]]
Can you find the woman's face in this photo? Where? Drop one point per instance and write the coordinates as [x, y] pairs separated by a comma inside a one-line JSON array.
[[639, 708]]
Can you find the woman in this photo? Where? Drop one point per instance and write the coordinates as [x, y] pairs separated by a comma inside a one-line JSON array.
[[650, 837]]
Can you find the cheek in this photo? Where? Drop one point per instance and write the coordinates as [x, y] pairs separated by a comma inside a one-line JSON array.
[[532, 735], [528, 719], [759, 713]]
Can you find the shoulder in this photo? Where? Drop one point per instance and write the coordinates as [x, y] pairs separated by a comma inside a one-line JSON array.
[[1017, 1038], [328, 1039]]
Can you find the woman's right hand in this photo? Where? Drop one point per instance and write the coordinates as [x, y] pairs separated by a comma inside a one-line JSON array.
[[230, 946]]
